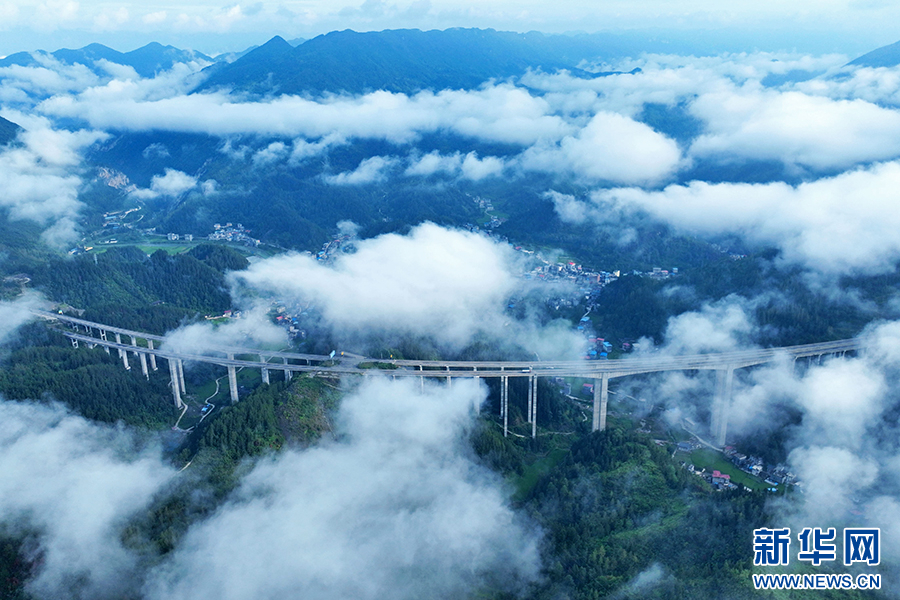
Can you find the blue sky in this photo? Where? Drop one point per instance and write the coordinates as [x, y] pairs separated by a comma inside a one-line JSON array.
[[847, 26]]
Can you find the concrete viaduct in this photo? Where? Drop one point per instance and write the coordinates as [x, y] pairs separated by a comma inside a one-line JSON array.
[[127, 342]]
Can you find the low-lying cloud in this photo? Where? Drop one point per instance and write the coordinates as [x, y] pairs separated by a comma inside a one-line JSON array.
[[445, 283], [395, 509], [71, 485], [834, 415], [835, 225], [40, 177]]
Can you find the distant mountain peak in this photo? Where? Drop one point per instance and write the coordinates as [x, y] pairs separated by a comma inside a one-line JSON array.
[[399, 60], [277, 43], [146, 60], [886, 56], [8, 131]]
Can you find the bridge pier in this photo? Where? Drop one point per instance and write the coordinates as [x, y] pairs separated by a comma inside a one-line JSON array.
[[122, 354], [142, 357], [103, 337], [601, 399], [721, 404], [528, 410], [232, 380], [181, 376], [448, 377], [152, 356], [265, 375], [287, 374], [534, 387], [176, 390], [504, 402], [144, 370]]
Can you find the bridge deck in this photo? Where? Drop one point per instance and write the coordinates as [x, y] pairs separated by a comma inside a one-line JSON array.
[[414, 368]]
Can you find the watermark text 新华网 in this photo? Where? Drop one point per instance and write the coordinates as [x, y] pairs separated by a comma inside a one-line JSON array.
[[771, 548]]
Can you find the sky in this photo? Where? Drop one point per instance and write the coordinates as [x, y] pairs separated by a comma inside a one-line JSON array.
[[847, 26]]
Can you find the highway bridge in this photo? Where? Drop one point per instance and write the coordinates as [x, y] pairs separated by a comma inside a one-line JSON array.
[[148, 347]]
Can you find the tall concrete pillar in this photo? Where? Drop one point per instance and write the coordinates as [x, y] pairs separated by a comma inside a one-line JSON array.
[[144, 370], [103, 334], [504, 403], [152, 356], [721, 404], [534, 396], [122, 354], [287, 374], [448, 377], [601, 399], [529, 410], [176, 388], [265, 375], [141, 357], [74, 343], [181, 376], [232, 380]]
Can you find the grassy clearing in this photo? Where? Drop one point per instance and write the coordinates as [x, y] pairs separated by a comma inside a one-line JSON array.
[[712, 460], [543, 465]]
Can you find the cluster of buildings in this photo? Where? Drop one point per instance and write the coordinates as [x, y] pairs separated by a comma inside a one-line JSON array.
[[231, 233], [114, 220], [289, 318], [772, 474], [333, 246], [488, 208]]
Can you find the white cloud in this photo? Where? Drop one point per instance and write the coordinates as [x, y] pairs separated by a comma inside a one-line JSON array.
[[444, 284], [154, 18], [830, 476], [468, 166], [476, 169], [809, 131], [841, 401], [16, 313], [435, 162], [253, 330], [876, 85], [111, 19], [274, 152], [68, 481], [117, 71], [612, 148], [434, 281], [370, 170], [719, 327], [395, 509], [55, 14], [497, 113], [833, 225], [173, 183], [302, 149], [40, 179]]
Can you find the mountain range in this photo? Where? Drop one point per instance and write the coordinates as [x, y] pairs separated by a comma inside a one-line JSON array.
[[403, 60], [147, 60]]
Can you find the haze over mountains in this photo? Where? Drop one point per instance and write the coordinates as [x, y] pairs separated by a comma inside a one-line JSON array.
[[403, 61], [441, 194], [147, 61]]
